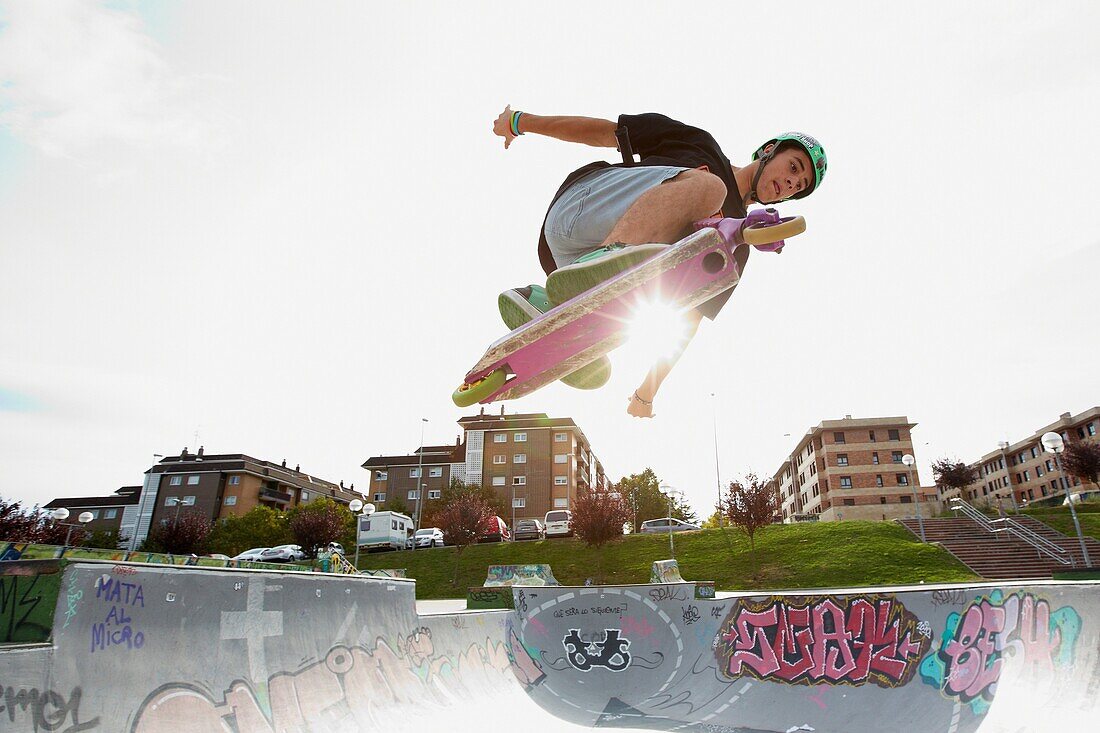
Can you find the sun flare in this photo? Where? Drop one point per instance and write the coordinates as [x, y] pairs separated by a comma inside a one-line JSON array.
[[658, 328]]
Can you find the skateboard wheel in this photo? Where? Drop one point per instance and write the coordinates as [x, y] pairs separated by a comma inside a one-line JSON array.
[[469, 394], [768, 233]]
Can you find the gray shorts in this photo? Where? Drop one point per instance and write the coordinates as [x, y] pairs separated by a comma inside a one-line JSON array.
[[580, 220]]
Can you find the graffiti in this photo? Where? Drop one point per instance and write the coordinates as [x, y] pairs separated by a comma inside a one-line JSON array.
[[691, 614], [485, 596], [948, 598], [124, 570], [72, 596], [521, 601], [26, 606], [717, 611], [48, 709], [349, 688], [704, 590], [617, 610], [666, 593], [117, 627], [525, 665], [976, 642], [822, 639], [610, 653], [635, 627]]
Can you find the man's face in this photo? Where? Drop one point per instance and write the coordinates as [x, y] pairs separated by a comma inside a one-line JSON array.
[[788, 173]]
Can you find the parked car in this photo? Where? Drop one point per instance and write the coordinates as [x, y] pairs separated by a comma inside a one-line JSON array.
[[429, 537], [331, 547], [495, 529], [217, 556], [283, 553], [662, 525], [252, 555], [558, 523], [530, 529]]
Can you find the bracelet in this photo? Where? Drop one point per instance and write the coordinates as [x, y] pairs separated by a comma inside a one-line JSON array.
[[515, 123], [638, 397]]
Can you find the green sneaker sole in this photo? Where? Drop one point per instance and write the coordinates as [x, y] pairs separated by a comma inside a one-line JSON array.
[[572, 280]]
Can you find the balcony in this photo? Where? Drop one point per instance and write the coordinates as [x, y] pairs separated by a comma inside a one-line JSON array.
[[279, 497]]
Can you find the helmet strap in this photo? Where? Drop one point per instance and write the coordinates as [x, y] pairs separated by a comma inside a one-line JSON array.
[[763, 160]]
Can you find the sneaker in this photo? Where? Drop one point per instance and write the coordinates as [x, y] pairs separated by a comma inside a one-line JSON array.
[[519, 305], [596, 267]]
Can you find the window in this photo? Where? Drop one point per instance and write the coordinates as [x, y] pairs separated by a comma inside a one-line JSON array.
[[893, 434], [379, 497], [849, 502], [393, 524], [561, 480], [498, 481], [874, 458], [230, 500], [519, 502], [878, 480], [842, 459], [838, 437], [234, 480], [414, 494], [414, 473], [110, 513], [1043, 489], [882, 500], [188, 501], [895, 456], [520, 438], [905, 499], [500, 437], [192, 480], [519, 481], [845, 482], [561, 458], [435, 472], [872, 436], [562, 503], [560, 437], [1091, 428], [902, 479], [170, 500], [176, 481], [381, 475], [435, 493], [1027, 475], [519, 458], [305, 496], [500, 460]]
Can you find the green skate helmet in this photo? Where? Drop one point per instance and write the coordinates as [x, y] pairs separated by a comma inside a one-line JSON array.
[[813, 148]]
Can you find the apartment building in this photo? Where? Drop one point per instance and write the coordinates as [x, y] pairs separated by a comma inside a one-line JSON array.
[[224, 485], [534, 463], [1020, 472], [852, 469], [115, 513]]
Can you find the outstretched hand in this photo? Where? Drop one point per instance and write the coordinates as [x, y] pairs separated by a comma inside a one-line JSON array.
[[638, 408], [503, 126]]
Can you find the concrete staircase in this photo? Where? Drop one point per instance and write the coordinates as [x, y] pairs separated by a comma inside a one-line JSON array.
[[1000, 555]]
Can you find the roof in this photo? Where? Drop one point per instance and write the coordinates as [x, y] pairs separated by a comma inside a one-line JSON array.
[[125, 496]]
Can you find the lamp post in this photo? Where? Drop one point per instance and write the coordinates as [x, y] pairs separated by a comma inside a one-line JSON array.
[[420, 478], [367, 509], [1003, 445], [179, 501], [717, 472], [1053, 443], [61, 514], [669, 491], [909, 460]]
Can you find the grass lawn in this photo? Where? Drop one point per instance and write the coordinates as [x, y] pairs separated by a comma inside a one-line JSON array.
[[788, 556], [1060, 519]]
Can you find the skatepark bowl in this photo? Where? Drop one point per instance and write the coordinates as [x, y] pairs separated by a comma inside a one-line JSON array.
[[110, 646]]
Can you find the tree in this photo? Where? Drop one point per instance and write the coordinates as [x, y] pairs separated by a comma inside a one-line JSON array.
[[712, 522], [458, 490], [184, 535], [20, 524], [1081, 460], [462, 519], [317, 523], [104, 539], [751, 505], [260, 527], [641, 492], [598, 517], [953, 474]]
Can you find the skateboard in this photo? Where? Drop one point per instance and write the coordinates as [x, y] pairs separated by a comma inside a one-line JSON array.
[[575, 333]]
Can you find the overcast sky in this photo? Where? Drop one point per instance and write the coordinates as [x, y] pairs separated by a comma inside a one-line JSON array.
[[283, 226]]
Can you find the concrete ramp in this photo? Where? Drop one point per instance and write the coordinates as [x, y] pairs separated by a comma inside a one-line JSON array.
[[149, 649]]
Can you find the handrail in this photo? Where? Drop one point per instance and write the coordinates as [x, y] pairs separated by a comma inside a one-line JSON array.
[[1040, 543]]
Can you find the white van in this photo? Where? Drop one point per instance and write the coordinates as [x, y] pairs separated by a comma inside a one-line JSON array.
[[557, 523], [384, 531]]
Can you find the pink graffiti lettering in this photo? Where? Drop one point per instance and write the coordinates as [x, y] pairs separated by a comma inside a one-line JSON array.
[[810, 640], [633, 627]]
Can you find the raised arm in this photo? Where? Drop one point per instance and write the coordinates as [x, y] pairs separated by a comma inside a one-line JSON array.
[[585, 130], [641, 402]]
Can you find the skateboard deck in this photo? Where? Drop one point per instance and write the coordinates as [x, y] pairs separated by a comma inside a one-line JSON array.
[[575, 333]]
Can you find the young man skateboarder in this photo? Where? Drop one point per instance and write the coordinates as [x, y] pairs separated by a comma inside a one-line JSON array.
[[608, 217]]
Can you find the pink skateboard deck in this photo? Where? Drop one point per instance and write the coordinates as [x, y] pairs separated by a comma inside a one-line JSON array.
[[575, 333]]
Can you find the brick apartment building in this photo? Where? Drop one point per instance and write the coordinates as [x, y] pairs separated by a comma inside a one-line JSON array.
[[1023, 471], [115, 513], [852, 469], [535, 463]]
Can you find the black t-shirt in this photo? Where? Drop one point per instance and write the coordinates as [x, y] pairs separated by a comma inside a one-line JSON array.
[[659, 141]]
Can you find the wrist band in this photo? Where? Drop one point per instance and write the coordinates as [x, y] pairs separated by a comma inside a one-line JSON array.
[[638, 397], [515, 123]]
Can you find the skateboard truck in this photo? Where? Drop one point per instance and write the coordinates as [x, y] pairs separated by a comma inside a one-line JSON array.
[[732, 229]]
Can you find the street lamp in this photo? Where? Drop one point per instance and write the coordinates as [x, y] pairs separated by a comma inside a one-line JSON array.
[[178, 502], [61, 514], [669, 492], [717, 472], [1053, 443], [367, 509], [909, 460], [1003, 445], [420, 477]]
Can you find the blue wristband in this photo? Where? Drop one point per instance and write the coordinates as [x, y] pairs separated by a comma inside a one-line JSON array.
[[515, 123]]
